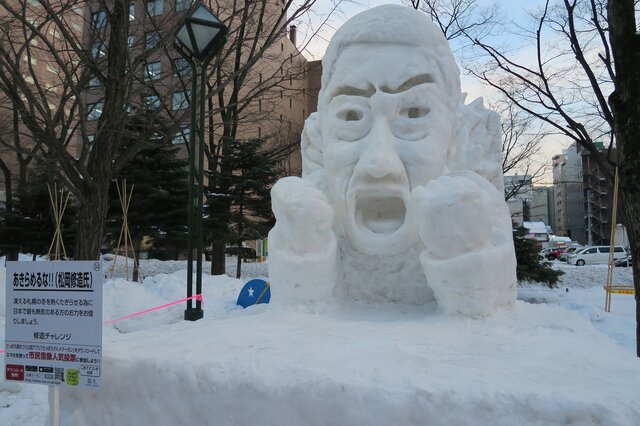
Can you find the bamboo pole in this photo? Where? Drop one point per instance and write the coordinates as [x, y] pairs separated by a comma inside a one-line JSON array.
[[58, 207], [612, 239], [125, 197]]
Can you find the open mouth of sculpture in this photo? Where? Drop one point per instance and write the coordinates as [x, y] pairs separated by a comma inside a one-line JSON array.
[[380, 214]]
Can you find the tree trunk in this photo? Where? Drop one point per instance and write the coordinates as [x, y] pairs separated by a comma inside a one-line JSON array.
[[217, 258], [94, 191], [8, 191], [625, 104], [239, 261], [91, 216], [631, 208]]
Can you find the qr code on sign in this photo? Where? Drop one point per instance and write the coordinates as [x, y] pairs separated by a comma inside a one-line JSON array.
[[59, 374]]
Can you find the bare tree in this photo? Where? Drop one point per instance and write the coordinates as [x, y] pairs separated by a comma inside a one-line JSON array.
[[256, 92], [521, 143], [583, 84], [68, 74], [582, 80], [461, 21], [459, 18], [625, 107]]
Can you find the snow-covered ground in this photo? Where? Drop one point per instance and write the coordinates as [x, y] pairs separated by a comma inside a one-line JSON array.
[[555, 358]]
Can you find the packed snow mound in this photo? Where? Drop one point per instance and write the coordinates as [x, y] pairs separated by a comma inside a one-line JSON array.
[[532, 364], [558, 359]]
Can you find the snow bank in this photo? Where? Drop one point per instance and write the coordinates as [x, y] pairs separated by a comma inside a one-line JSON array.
[[556, 360], [533, 364]]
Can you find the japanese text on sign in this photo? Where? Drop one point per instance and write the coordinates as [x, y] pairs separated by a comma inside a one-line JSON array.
[[54, 323]]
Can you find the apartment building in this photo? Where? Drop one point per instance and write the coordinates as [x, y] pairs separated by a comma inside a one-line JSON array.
[[583, 196], [541, 209], [272, 98], [519, 197], [34, 76], [598, 199], [568, 194]]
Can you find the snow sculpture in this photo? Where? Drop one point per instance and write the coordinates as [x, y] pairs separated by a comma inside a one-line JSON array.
[[401, 198]]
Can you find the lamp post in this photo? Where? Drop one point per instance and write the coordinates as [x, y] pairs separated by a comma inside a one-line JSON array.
[[198, 38]]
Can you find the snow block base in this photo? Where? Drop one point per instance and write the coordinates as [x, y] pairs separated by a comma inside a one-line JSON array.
[[528, 365]]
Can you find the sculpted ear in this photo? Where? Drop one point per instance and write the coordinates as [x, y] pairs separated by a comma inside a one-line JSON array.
[[311, 147], [478, 145]]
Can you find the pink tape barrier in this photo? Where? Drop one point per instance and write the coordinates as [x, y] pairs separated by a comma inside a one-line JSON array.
[[166, 305]]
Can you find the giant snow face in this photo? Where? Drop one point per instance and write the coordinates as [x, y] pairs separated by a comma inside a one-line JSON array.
[[401, 196], [385, 131]]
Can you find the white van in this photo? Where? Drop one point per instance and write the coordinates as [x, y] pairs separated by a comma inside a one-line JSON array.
[[596, 255]]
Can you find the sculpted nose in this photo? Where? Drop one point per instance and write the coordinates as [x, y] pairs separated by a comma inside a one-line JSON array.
[[379, 158]]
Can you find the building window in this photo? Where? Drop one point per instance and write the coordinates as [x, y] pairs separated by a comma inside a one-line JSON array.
[[259, 132], [99, 19], [94, 83], [151, 102], [304, 92], [99, 49], [182, 4], [94, 111], [259, 104], [181, 67], [290, 103], [180, 100], [282, 47], [182, 136], [155, 7], [151, 39], [132, 11], [152, 71]]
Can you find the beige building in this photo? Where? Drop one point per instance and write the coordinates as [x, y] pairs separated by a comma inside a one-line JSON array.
[[273, 98], [35, 77], [569, 197]]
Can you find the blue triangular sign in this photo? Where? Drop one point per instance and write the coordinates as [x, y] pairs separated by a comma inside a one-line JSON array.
[[254, 292]]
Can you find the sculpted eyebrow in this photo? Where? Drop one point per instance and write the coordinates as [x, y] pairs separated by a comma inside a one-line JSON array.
[[354, 91], [412, 82]]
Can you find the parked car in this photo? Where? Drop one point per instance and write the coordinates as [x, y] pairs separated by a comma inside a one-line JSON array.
[[555, 253], [596, 255], [544, 252], [247, 253], [568, 252], [624, 262]]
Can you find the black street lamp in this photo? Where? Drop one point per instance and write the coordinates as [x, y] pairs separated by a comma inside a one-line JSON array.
[[198, 38]]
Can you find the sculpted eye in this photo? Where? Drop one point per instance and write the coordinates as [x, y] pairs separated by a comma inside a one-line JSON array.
[[414, 112], [350, 115]]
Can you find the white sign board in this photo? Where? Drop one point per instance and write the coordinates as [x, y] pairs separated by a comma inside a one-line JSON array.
[[53, 323]]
